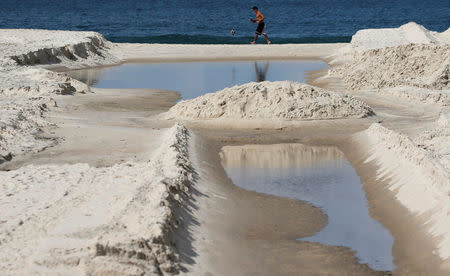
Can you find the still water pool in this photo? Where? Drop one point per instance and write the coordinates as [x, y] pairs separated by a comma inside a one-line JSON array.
[[323, 177], [193, 79]]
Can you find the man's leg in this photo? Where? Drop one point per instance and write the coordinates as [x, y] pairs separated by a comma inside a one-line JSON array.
[[254, 41], [267, 38]]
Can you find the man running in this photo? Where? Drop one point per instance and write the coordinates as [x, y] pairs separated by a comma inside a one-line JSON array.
[[261, 29]]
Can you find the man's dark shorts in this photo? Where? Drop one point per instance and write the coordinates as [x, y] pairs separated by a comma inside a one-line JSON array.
[[261, 29]]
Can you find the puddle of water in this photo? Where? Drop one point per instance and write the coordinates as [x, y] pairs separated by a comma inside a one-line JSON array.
[[323, 177], [193, 79]]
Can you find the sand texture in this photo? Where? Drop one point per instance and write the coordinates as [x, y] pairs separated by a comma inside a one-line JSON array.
[[420, 182], [271, 100], [409, 63], [26, 92], [84, 220], [436, 140], [418, 65], [216, 52], [29, 47], [410, 33], [418, 95]]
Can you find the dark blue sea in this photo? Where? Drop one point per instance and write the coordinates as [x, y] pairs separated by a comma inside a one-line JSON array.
[[210, 21]]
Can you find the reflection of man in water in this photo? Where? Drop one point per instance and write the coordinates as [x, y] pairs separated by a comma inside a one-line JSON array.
[[261, 73]]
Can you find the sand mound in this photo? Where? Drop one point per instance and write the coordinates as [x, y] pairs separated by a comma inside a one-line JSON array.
[[271, 100], [409, 55], [419, 65], [405, 34]]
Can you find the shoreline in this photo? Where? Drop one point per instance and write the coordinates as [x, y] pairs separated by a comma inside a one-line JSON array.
[[319, 132]]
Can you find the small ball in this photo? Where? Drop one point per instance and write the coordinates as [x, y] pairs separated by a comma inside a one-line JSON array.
[[232, 32]]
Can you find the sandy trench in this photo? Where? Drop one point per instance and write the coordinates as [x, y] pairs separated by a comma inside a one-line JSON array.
[[108, 131]]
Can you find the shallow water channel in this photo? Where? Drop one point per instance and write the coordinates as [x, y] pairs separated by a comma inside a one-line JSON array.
[[323, 177], [193, 79]]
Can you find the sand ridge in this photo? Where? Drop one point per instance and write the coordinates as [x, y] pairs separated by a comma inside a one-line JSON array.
[[417, 179], [80, 219], [69, 48]]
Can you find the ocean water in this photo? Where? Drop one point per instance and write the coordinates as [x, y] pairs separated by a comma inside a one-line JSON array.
[[210, 21]]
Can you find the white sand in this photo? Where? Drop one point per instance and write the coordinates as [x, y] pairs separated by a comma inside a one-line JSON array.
[[418, 95], [26, 92], [410, 33], [180, 52], [271, 100], [26, 47], [420, 182], [409, 63], [75, 219], [419, 65], [437, 140]]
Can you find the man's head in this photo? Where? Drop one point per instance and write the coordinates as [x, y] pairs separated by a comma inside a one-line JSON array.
[[255, 8]]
